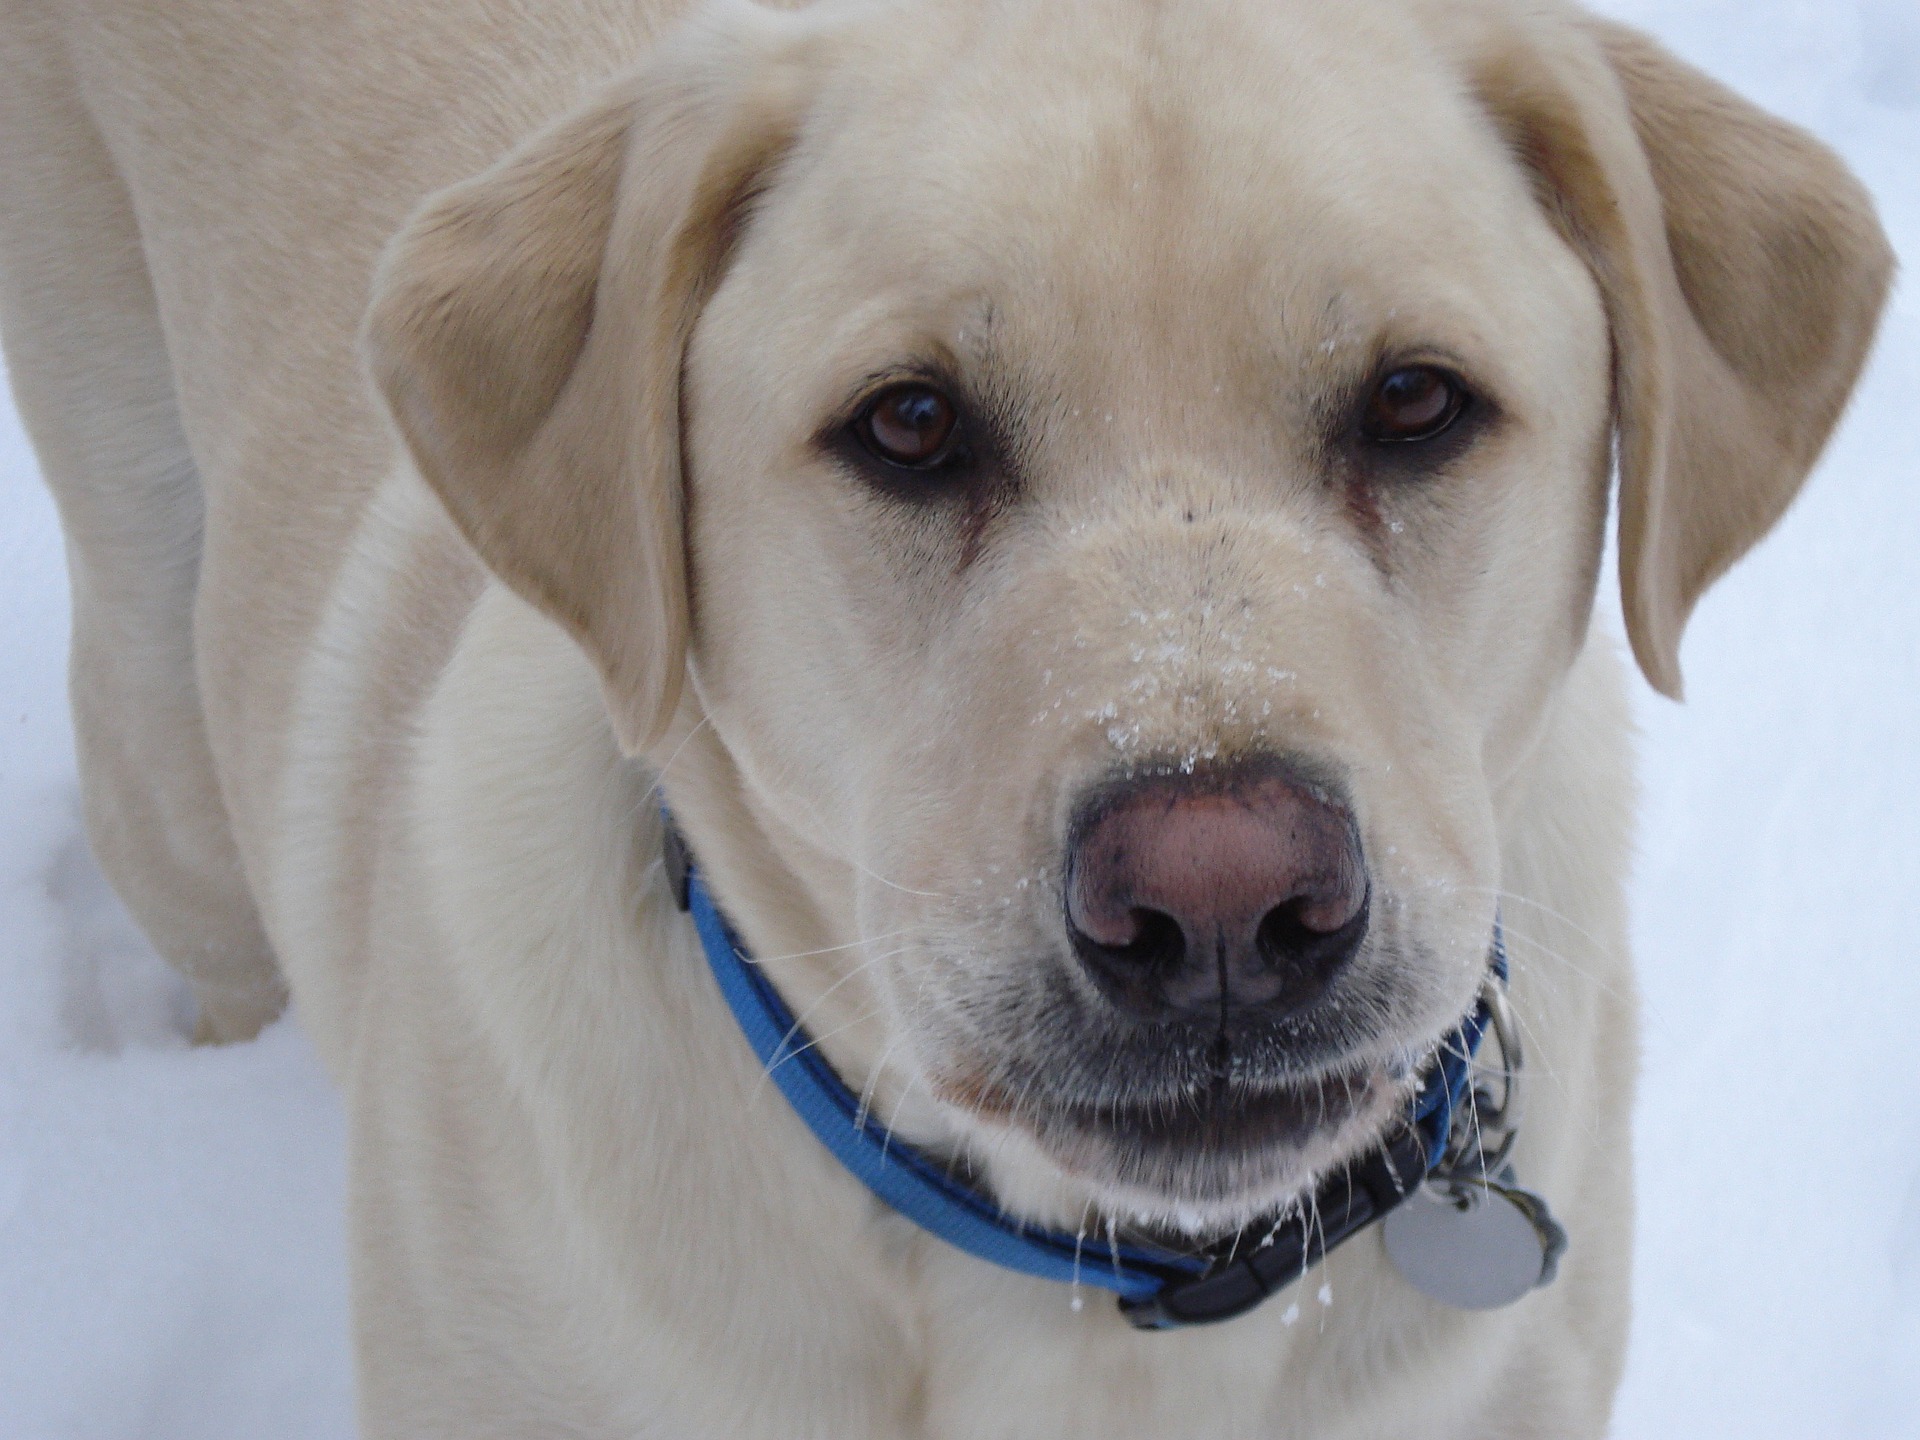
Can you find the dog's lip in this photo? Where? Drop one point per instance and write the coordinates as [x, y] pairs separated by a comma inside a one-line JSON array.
[[1228, 1119]]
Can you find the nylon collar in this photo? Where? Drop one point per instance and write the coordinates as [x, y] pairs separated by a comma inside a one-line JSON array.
[[1158, 1289]]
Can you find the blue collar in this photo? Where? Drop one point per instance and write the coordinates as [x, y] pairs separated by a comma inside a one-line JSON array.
[[1158, 1288]]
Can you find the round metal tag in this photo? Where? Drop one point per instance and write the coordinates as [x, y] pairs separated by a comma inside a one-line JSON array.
[[1467, 1245]]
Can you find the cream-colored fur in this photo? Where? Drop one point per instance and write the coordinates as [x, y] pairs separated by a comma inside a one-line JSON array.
[[408, 575]]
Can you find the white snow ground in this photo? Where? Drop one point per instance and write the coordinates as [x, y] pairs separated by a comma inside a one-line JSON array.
[[171, 1251]]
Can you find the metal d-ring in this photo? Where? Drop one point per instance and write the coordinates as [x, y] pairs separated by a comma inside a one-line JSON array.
[[1468, 1155]]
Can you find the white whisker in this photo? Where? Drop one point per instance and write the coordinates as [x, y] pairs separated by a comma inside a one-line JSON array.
[[654, 790]]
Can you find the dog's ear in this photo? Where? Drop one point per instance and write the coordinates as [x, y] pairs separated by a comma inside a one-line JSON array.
[[1743, 273], [527, 331]]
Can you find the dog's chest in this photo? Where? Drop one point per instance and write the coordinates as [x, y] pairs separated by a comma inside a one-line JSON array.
[[1014, 1359]]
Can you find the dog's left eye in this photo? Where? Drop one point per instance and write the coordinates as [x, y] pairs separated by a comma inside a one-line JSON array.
[[911, 425], [1415, 402]]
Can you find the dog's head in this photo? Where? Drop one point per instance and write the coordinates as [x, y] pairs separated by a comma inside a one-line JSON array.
[[1123, 483]]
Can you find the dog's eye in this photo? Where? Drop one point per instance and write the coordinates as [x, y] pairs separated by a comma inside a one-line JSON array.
[[911, 425], [1415, 402]]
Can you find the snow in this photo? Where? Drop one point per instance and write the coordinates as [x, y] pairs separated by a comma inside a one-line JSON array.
[[172, 1257]]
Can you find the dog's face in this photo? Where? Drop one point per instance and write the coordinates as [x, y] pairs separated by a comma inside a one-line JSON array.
[[1207, 468], [1142, 475]]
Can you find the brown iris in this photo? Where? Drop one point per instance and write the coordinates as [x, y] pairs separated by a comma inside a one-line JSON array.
[[911, 425], [1415, 402]]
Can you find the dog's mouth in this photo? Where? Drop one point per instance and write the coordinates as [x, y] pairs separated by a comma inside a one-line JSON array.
[[1229, 1147]]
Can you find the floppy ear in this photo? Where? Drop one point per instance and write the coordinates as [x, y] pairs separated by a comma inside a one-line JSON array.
[[1743, 273], [527, 329]]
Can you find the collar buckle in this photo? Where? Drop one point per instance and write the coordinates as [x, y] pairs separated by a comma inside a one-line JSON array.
[[1250, 1271]]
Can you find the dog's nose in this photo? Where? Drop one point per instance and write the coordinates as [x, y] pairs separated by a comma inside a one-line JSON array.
[[1199, 897]]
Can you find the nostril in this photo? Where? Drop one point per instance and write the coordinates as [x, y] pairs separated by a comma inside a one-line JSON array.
[[1283, 932], [1157, 943], [1315, 912], [1308, 939], [1137, 937]]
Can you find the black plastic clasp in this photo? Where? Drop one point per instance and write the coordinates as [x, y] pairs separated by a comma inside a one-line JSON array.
[[678, 867], [1341, 1208]]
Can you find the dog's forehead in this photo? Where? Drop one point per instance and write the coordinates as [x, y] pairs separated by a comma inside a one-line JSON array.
[[1194, 173]]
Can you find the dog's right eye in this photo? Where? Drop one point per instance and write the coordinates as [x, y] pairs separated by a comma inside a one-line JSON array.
[[1413, 403], [910, 425]]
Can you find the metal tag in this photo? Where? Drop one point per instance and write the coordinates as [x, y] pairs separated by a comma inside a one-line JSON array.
[[1473, 1244]]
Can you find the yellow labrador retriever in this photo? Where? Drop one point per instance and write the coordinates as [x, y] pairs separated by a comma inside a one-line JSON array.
[[1088, 511]]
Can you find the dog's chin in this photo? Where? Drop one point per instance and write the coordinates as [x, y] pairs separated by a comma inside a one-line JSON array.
[[1201, 1166]]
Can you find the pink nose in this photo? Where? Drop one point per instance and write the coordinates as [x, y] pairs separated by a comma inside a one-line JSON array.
[[1200, 896]]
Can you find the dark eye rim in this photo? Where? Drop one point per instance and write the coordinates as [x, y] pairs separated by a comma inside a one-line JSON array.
[[953, 453], [1463, 400]]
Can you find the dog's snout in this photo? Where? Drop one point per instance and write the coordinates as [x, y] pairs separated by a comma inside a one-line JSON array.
[[1201, 896]]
